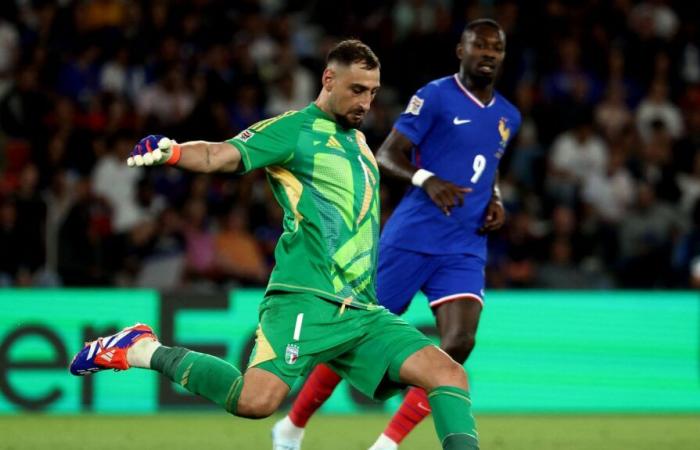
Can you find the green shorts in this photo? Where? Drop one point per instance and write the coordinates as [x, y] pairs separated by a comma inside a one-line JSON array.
[[297, 331]]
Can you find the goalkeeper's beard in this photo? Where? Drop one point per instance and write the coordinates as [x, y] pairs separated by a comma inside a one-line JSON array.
[[345, 121]]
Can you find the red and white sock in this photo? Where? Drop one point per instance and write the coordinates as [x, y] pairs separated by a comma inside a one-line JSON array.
[[415, 407], [318, 387]]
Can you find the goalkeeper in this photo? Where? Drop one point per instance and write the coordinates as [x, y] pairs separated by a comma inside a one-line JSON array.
[[320, 303]]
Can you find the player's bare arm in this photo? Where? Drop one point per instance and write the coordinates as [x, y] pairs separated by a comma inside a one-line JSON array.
[[197, 156], [393, 159], [495, 212]]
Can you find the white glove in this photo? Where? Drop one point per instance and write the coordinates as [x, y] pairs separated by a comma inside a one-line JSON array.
[[154, 150]]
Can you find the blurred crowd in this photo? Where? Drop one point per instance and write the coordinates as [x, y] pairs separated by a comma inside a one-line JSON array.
[[602, 186]]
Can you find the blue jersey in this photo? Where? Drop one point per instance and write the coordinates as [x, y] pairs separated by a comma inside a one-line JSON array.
[[462, 141]]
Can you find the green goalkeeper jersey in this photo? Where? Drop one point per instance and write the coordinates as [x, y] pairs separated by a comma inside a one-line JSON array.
[[326, 180]]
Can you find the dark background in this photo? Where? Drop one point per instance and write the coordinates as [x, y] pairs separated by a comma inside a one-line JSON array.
[[601, 185]]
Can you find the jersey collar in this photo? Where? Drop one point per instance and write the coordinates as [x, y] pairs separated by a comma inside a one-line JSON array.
[[314, 110], [471, 96]]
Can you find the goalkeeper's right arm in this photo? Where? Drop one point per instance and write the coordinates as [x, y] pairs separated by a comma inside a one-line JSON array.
[[197, 156]]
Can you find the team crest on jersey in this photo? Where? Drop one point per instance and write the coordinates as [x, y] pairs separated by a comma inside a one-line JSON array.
[[504, 131], [244, 135], [414, 105], [291, 355]]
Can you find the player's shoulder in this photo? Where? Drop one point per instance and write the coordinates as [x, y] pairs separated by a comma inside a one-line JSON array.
[[443, 82], [429, 93], [279, 123], [507, 106], [274, 129], [438, 85]]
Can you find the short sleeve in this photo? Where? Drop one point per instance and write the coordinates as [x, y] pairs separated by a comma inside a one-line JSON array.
[[267, 143], [420, 114], [518, 122]]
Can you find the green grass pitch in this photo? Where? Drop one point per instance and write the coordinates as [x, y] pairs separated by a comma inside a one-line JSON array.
[[210, 431]]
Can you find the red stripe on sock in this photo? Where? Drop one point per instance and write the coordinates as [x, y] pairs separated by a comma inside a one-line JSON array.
[[318, 387], [413, 410]]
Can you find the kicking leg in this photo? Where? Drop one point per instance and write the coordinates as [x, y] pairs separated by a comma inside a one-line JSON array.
[[256, 394]]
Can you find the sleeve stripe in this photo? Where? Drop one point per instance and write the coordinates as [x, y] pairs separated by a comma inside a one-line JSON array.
[[266, 123]]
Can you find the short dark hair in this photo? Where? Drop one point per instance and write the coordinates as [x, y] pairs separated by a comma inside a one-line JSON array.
[[471, 26], [352, 51]]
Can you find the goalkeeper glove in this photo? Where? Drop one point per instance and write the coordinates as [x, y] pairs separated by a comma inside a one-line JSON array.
[[154, 150]]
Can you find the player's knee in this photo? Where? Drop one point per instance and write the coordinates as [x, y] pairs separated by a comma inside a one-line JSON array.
[[450, 373], [458, 345], [257, 406]]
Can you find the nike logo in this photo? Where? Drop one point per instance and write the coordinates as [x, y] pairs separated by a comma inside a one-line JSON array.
[[423, 407], [457, 121], [317, 142]]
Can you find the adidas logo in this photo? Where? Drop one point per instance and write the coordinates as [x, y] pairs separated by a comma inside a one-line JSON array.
[[107, 356], [333, 143]]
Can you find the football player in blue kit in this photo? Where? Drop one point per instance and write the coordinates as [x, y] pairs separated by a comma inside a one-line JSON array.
[[448, 144]]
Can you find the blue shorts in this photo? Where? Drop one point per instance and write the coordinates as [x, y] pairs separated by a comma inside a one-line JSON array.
[[442, 278]]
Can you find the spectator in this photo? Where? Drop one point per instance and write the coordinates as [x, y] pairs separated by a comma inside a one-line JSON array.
[[116, 183], [611, 193], [520, 267], [656, 13], [59, 199], [560, 271], [199, 241], [119, 77], [83, 257], [657, 162], [238, 255], [294, 86], [168, 101], [645, 239], [577, 156], [78, 78], [10, 243], [612, 115], [9, 47], [686, 254], [527, 158], [657, 106], [160, 262], [31, 217], [23, 106], [689, 184], [246, 110], [686, 149]]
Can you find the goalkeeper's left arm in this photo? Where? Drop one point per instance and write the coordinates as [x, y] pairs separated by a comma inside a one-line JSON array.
[[197, 156]]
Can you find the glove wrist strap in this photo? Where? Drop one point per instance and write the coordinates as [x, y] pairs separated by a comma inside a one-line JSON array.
[[175, 155]]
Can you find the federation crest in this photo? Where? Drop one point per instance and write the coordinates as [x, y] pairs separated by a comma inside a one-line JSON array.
[[291, 355], [244, 135], [414, 106], [504, 131]]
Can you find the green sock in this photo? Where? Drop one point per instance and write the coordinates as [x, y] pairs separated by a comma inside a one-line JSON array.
[[201, 374], [454, 422]]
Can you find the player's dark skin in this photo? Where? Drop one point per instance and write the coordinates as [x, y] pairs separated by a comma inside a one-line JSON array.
[[481, 52]]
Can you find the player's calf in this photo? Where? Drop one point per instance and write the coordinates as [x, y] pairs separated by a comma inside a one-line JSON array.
[[199, 373], [446, 383]]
